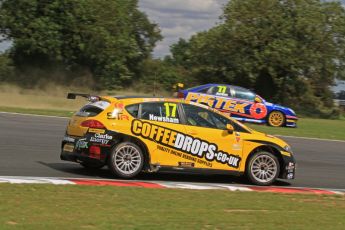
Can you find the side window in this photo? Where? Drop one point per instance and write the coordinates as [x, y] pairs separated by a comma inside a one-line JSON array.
[[242, 93], [201, 117], [198, 116], [92, 109], [160, 111], [205, 90], [133, 110]]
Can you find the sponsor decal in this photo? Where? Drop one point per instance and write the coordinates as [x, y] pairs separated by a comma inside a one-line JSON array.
[[256, 110], [96, 130], [170, 114], [237, 145], [68, 139], [117, 115], [68, 147], [193, 147], [222, 91], [164, 119], [290, 176], [119, 105], [237, 136], [81, 144], [101, 138], [184, 156]]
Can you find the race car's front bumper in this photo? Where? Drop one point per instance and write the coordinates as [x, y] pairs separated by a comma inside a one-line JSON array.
[[291, 121], [288, 169]]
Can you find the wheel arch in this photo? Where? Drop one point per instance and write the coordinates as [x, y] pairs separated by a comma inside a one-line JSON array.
[[275, 110], [123, 138], [268, 148]]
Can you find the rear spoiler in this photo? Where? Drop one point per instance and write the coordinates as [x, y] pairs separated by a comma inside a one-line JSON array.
[[87, 96]]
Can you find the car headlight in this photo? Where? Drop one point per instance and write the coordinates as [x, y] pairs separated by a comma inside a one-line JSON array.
[[287, 148]]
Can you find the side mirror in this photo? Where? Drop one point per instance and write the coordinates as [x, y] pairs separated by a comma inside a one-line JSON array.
[[257, 99], [230, 128]]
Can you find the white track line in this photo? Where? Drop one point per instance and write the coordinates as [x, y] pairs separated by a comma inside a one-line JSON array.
[[311, 138], [33, 115], [306, 138], [168, 184]]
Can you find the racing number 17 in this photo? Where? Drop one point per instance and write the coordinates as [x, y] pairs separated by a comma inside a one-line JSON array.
[[168, 112]]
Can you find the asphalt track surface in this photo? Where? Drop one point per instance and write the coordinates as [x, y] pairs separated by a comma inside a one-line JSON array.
[[30, 146]]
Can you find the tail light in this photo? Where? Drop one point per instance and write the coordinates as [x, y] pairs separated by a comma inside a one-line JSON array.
[[92, 124], [180, 94]]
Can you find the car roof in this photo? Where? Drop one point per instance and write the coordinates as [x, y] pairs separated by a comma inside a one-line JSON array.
[[215, 84], [141, 99], [196, 88], [119, 97]]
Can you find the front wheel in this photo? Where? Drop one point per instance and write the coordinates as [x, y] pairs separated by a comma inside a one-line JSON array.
[[126, 160], [263, 168], [276, 119]]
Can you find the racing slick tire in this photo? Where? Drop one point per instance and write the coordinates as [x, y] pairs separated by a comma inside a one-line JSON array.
[[90, 165], [276, 119], [126, 160], [263, 168]]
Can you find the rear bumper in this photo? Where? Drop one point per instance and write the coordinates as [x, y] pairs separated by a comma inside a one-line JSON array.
[[80, 149], [79, 158]]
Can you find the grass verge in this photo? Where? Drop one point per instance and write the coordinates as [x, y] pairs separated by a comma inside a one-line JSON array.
[[59, 113], [78, 207], [309, 127]]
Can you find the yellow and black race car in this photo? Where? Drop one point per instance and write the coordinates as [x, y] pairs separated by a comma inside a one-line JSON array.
[[135, 134]]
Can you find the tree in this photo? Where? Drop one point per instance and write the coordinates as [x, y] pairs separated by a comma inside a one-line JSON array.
[[340, 95], [6, 67], [289, 51], [160, 76], [108, 38]]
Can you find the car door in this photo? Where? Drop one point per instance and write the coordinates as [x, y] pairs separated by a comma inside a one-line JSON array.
[[252, 109], [164, 122], [210, 127], [226, 102]]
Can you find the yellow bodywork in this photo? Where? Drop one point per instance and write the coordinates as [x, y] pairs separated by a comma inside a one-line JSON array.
[[213, 148]]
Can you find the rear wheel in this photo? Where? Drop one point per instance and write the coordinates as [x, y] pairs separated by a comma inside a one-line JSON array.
[[126, 160], [276, 119], [263, 168]]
